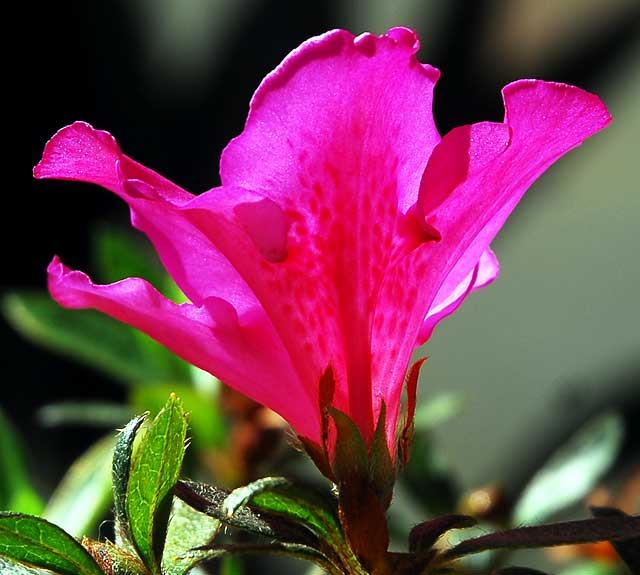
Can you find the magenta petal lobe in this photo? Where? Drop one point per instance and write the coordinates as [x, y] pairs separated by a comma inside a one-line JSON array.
[[345, 228]]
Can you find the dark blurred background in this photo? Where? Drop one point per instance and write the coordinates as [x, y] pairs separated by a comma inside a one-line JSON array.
[[553, 341]]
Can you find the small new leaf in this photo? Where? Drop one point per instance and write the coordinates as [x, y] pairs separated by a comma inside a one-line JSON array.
[[38, 543], [154, 473], [120, 469]]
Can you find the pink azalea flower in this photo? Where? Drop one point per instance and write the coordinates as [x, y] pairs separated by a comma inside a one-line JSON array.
[[344, 230]]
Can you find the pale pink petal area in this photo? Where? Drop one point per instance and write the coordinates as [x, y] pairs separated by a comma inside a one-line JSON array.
[[79, 152], [211, 336], [494, 165]]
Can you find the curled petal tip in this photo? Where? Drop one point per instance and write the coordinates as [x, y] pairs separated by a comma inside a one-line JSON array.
[[76, 151]]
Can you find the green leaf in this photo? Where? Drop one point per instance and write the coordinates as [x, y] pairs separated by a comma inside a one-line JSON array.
[[351, 458], [36, 542], [120, 470], [16, 492], [207, 426], [84, 495], [572, 471], [84, 413], [188, 529], [436, 410], [153, 476], [381, 467], [279, 496], [209, 499], [85, 335]]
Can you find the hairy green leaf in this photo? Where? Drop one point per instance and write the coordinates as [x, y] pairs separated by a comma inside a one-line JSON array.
[[153, 476], [36, 542], [302, 506], [187, 530], [209, 499], [207, 427], [120, 470]]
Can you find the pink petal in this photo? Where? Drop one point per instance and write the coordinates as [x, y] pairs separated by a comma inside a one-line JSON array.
[[79, 152], [450, 296], [494, 165], [338, 136], [212, 336], [332, 93]]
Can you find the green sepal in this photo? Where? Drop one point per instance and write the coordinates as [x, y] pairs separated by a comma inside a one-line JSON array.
[[154, 473], [350, 459], [381, 468], [38, 543], [361, 511]]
